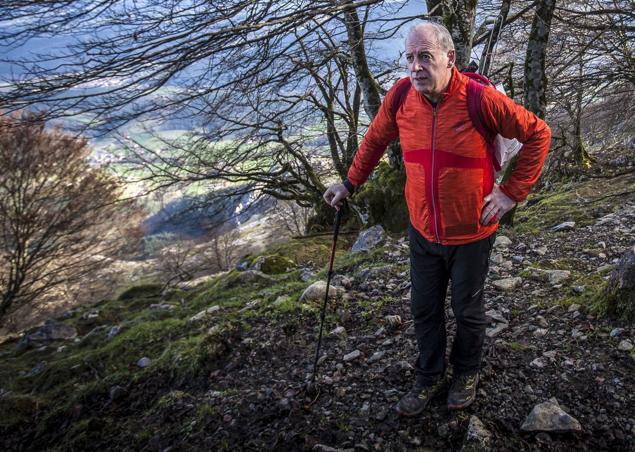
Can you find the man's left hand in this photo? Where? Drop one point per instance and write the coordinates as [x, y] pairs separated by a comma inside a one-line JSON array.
[[496, 205]]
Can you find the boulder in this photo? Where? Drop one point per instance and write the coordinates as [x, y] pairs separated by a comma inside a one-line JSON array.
[[502, 242], [317, 291], [369, 239], [549, 417], [50, 331], [478, 438], [620, 290], [507, 284], [273, 264]]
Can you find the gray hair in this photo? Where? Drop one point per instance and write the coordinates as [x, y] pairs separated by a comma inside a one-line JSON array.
[[442, 35]]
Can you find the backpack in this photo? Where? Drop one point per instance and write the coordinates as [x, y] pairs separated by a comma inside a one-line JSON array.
[[501, 149]]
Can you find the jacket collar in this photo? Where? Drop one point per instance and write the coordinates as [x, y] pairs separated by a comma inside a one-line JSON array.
[[456, 79]]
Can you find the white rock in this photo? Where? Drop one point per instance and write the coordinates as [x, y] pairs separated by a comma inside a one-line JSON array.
[[502, 242], [573, 307], [317, 291], [625, 345], [538, 363], [549, 417], [540, 332], [507, 284], [340, 331], [497, 258], [143, 362]]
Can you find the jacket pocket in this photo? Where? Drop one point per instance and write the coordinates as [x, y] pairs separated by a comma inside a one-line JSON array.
[[461, 200]]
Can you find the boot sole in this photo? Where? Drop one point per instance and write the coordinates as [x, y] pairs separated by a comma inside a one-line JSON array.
[[460, 406], [411, 414]]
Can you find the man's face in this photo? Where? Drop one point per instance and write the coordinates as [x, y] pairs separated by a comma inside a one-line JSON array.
[[430, 67]]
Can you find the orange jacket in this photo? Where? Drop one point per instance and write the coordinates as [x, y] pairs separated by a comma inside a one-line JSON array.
[[448, 167]]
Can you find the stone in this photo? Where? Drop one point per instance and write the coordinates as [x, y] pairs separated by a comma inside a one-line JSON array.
[[273, 264], [496, 330], [144, 362], [625, 345], [117, 393], [204, 313], [496, 315], [497, 258], [355, 354], [549, 417], [541, 250], [540, 332], [317, 291], [114, 330], [369, 239], [281, 299], [374, 273], [393, 321], [538, 363], [615, 332], [162, 306], [553, 277], [566, 226], [37, 370], [507, 284], [306, 275], [620, 289], [340, 331], [573, 307], [50, 331], [376, 356], [502, 242], [250, 305], [478, 438], [541, 321]]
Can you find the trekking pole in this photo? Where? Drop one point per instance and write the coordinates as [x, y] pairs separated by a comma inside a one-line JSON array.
[[338, 219]]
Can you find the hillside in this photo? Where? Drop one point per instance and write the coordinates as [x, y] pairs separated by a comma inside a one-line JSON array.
[[220, 363]]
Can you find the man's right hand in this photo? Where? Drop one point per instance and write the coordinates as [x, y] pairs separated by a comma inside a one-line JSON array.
[[335, 195]]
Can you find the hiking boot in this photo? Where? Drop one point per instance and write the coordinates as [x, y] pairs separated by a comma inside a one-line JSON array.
[[463, 390], [415, 401]]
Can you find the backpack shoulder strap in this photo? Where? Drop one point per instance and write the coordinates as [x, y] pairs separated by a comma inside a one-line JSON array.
[[401, 91], [474, 98]]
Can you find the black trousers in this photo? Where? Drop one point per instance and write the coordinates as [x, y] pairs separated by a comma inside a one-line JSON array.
[[432, 266]]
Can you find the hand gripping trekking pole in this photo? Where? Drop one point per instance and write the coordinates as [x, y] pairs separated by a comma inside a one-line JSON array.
[[338, 219]]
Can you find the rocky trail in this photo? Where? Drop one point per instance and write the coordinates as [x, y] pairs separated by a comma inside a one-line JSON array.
[[558, 374]]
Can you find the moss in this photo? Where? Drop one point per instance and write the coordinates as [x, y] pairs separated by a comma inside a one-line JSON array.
[[592, 299], [142, 291], [17, 408], [383, 198]]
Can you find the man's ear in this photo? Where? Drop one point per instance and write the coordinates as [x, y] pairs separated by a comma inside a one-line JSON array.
[[451, 57]]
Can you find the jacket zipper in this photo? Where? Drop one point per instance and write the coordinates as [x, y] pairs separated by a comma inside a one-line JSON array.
[[434, 207]]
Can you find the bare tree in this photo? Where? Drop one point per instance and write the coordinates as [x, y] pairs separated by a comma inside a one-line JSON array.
[[59, 217]]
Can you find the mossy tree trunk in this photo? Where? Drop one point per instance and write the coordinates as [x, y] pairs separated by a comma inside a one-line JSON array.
[[458, 17]]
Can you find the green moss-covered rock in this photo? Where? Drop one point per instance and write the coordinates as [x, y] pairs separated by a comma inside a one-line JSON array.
[[383, 198], [273, 264]]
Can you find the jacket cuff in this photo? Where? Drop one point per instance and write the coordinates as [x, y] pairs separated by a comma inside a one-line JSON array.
[[349, 186]]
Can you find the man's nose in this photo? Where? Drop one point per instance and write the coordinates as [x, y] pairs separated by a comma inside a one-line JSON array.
[[415, 66]]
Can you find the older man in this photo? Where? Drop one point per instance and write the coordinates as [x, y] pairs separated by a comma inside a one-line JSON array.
[[452, 199]]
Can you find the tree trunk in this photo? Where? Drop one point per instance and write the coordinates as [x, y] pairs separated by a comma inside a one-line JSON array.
[[458, 17], [369, 86], [534, 98], [535, 78]]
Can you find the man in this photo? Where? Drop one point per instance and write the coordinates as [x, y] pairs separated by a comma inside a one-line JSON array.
[[453, 203]]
